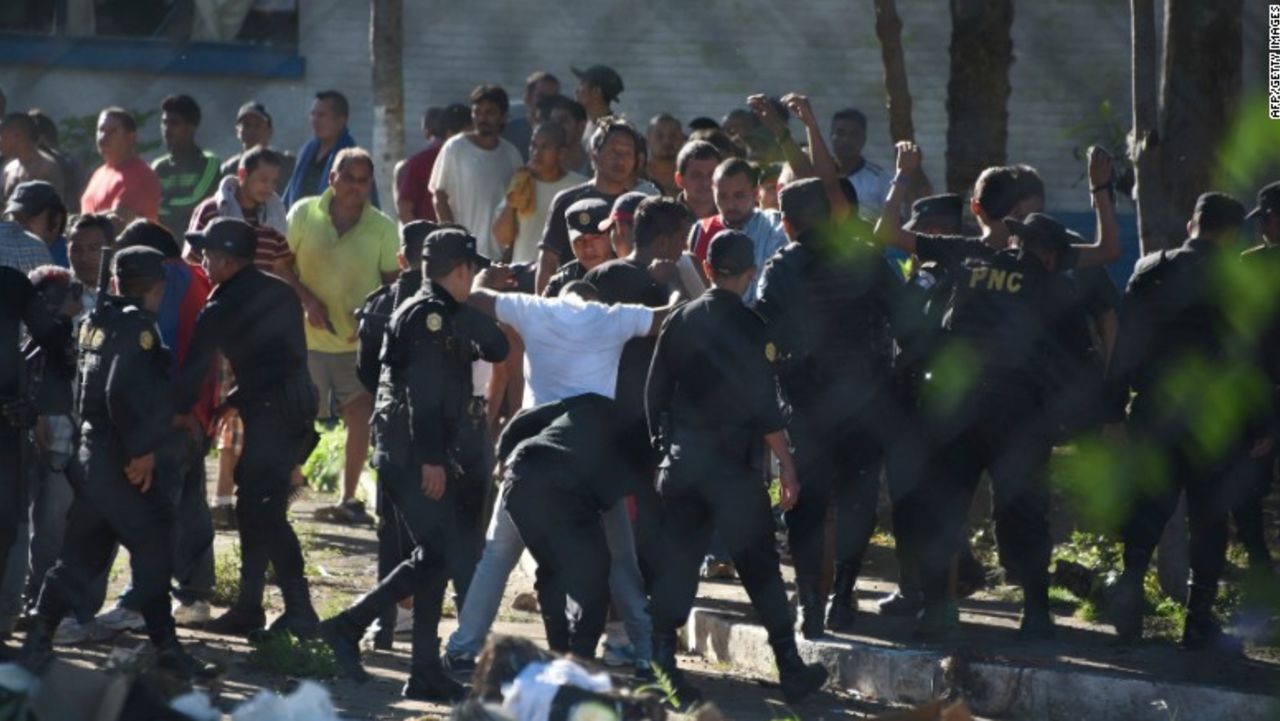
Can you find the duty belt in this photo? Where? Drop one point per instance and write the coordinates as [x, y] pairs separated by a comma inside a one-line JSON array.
[[478, 407]]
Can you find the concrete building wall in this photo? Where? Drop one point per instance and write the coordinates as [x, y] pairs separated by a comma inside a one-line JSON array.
[[689, 58]]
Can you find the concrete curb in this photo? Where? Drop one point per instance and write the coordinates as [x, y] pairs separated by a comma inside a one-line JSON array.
[[993, 689]]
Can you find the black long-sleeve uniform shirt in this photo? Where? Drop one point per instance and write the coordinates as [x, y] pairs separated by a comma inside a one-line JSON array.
[[427, 356], [255, 319]]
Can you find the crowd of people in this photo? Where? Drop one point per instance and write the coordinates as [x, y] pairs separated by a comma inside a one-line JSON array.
[[619, 350]]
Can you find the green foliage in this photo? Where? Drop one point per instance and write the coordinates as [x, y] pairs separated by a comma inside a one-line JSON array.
[[284, 654], [1250, 151], [287, 655], [663, 686], [1107, 130], [226, 576], [324, 468], [1061, 598], [78, 135]]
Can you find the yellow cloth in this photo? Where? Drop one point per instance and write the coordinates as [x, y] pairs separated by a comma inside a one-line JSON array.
[[340, 271], [521, 194]]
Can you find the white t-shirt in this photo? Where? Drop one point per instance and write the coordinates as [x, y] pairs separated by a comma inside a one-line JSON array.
[[475, 181], [871, 182], [571, 346], [529, 228]]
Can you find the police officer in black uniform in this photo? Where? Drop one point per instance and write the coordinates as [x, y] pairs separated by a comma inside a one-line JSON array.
[[828, 298], [1253, 483], [920, 326], [558, 479], [583, 220], [255, 320], [989, 418], [1172, 319], [126, 409], [711, 398], [424, 389], [394, 543], [21, 305]]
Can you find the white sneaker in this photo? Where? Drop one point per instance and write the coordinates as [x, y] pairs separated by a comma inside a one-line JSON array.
[[191, 614], [121, 619], [404, 620], [71, 632]]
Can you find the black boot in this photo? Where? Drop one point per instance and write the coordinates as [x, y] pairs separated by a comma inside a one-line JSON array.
[[812, 623], [175, 660], [1037, 620], [937, 621], [797, 678], [245, 616], [299, 617], [1127, 605], [343, 636], [343, 632], [686, 696], [37, 649], [842, 609], [1202, 632], [427, 678]]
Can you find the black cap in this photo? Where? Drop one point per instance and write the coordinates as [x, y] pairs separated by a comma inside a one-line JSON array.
[[253, 107], [1045, 229], [149, 234], [624, 209], [804, 203], [138, 263], [585, 216], [732, 252], [603, 77], [944, 208], [1268, 200], [34, 197], [447, 246], [1216, 211], [229, 235], [414, 234]]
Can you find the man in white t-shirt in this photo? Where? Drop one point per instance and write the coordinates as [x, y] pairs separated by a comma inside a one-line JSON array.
[[572, 346], [470, 177], [522, 215]]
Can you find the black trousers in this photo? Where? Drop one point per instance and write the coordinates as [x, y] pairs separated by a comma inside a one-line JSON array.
[[107, 509], [435, 527], [274, 442], [997, 430], [703, 490], [12, 496], [1186, 467], [838, 458], [563, 532]]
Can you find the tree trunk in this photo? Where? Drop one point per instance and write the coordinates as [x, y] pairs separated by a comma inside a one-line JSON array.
[[1199, 97], [385, 46], [1144, 152], [898, 96], [978, 90]]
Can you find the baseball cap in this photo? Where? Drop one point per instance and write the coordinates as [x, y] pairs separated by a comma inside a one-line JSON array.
[[229, 235], [624, 209], [253, 107], [414, 234], [585, 216], [603, 77], [34, 197], [1268, 200], [732, 252], [1215, 211], [945, 207], [1045, 229], [138, 262], [149, 234], [450, 245]]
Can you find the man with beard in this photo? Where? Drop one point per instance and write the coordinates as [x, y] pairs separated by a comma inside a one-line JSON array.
[[471, 175]]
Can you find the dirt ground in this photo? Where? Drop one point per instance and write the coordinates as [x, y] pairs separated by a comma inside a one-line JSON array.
[[341, 564]]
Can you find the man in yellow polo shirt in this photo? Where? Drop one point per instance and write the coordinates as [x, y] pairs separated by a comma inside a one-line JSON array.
[[343, 249]]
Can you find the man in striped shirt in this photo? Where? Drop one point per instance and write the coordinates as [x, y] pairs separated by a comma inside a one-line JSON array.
[[249, 195]]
